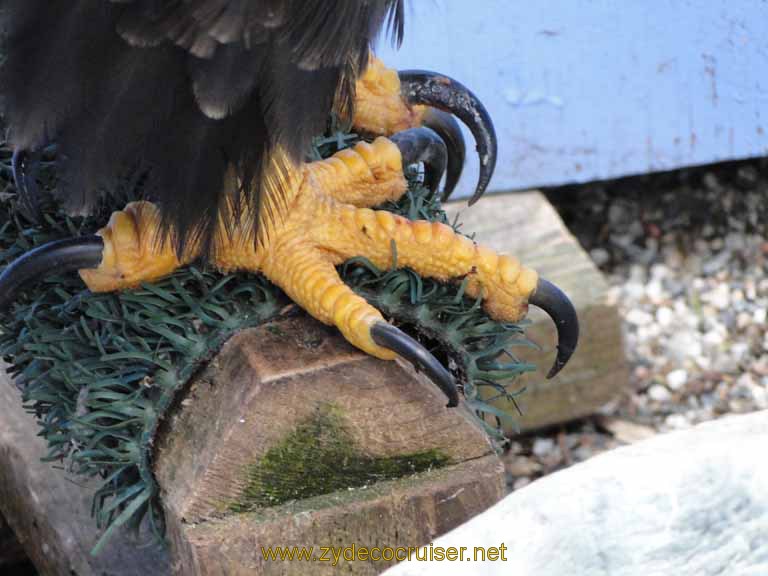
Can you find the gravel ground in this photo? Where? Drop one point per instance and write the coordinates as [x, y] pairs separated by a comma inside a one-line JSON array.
[[685, 254]]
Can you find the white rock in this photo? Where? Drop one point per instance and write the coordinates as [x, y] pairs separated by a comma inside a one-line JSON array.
[[639, 317], [637, 273], [677, 379], [659, 271], [739, 351], [681, 308], [659, 393], [600, 256], [626, 431], [521, 483], [714, 338], [750, 287], [760, 397], [745, 383], [704, 362], [677, 422], [690, 503], [543, 446], [634, 290], [665, 316], [743, 320], [683, 345], [720, 297], [655, 292]]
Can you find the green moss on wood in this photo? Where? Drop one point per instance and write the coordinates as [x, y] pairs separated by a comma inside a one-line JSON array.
[[320, 457]]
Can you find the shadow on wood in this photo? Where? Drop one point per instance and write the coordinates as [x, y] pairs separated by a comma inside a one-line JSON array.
[[12, 555]]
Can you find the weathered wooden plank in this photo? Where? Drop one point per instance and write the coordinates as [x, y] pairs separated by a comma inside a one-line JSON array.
[[405, 513], [525, 225], [50, 511], [298, 377]]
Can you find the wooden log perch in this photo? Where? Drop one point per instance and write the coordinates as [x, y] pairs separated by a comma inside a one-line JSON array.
[[526, 225], [293, 438], [289, 437]]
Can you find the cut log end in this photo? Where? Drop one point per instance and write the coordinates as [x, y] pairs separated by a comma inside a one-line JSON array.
[[292, 438]]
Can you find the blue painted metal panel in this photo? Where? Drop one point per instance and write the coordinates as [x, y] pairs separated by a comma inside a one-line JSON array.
[[584, 90]]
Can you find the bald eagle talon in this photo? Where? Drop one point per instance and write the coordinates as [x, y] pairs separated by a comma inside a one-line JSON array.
[[389, 102], [392, 338], [444, 93], [448, 129], [558, 306], [68, 255], [424, 145]]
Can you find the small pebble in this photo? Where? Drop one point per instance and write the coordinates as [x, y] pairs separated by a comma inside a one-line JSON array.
[[600, 256], [659, 393], [639, 317], [543, 447], [677, 379], [521, 483], [664, 316], [677, 422]]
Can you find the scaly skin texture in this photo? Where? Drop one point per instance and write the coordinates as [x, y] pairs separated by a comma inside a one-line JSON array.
[[325, 219], [379, 107]]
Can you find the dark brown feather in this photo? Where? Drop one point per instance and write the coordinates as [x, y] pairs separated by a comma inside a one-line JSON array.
[[175, 92]]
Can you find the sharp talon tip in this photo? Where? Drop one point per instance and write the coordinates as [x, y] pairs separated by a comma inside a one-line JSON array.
[[53, 258], [444, 93], [423, 145], [394, 339], [558, 306], [446, 126]]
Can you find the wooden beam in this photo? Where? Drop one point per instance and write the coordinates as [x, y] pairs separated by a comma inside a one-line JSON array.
[[279, 388], [525, 225], [374, 456]]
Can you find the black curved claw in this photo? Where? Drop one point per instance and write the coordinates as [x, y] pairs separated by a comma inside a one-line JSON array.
[[52, 258], [394, 339], [440, 91], [423, 145], [25, 166], [448, 129], [558, 306]]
